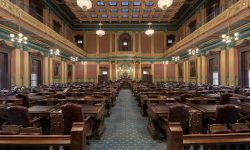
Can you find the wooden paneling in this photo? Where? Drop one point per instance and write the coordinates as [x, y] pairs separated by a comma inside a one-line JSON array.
[[92, 71], [159, 42], [146, 44], [104, 43], [158, 71], [91, 40]]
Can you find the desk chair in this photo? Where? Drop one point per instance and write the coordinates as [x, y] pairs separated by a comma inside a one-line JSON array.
[[74, 113], [19, 115], [177, 113], [225, 98], [227, 114]]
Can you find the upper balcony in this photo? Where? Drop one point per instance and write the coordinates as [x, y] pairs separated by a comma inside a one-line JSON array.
[[212, 26], [37, 26]]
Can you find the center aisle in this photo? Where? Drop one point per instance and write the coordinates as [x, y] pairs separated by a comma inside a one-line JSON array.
[[126, 129]]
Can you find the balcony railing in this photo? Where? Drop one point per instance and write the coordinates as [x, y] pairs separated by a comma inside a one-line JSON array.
[[13, 8], [211, 16], [207, 27]]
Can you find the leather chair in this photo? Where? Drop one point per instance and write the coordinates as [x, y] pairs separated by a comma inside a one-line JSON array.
[[25, 99], [19, 115], [74, 113], [225, 98], [178, 113], [227, 114]]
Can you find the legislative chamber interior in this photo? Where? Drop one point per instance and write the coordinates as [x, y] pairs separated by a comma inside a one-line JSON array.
[[124, 74]]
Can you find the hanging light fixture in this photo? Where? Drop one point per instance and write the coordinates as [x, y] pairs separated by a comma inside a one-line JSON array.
[[164, 4], [100, 32], [55, 52], [229, 37], [149, 32], [194, 51], [84, 4], [74, 59], [177, 58], [19, 38]]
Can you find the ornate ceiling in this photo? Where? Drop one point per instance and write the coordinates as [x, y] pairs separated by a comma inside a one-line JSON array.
[[125, 11]]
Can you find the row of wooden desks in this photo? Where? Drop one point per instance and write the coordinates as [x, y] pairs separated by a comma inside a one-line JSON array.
[[96, 112]]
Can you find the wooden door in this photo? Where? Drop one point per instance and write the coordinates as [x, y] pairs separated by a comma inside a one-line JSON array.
[[245, 68], [213, 70], [36, 72], [4, 70]]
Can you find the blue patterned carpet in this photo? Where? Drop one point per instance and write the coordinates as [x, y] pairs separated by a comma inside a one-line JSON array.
[[126, 129]]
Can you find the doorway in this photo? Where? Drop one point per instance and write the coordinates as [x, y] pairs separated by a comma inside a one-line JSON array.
[[4, 70]]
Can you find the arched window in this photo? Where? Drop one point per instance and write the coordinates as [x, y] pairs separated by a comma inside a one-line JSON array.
[[125, 43]]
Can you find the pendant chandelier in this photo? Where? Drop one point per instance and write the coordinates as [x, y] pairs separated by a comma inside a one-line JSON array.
[[149, 32], [55, 52], [74, 59], [177, 58], [100, 32], [229, 37], [193, 52], [84, 4], [19, 38], [164, 4]]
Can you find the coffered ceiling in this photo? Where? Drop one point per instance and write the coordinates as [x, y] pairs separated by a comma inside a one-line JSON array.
[[125, 11]]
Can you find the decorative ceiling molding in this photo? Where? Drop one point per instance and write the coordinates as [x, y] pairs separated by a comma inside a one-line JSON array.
[[125, 11]]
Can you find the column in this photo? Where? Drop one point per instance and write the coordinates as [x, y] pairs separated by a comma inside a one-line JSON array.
[[46, 70], [223, 67], [17, 77], [97, 71], [110, 70], [51, 70], [139, 71], [153, 71], [204, 70], [85, 71], [176, 72], [232, 71], [165, 72], [26, 74], [198, 66], [73, 72]]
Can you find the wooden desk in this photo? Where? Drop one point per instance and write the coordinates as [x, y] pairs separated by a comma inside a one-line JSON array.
[[157, 111], [207, 110], [40, 110], [216, 96], [201, 100], [11, 99], [96, 112], [145, 101]]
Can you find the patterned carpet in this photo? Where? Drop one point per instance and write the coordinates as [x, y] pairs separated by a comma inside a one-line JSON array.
[[126, 129]]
